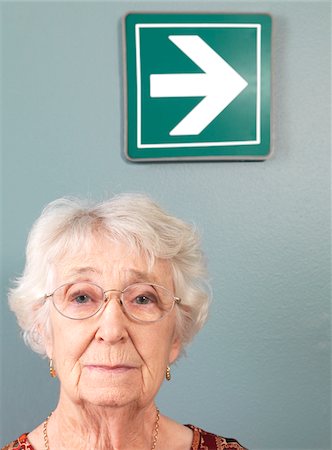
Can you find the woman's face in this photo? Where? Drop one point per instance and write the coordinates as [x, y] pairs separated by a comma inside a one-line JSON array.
[[109, 359]]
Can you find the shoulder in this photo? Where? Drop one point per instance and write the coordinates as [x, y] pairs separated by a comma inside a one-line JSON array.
[[21, 443], [203, 440]]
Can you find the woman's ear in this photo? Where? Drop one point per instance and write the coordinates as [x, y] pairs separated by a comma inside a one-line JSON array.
[[175, 350], [46, 337]]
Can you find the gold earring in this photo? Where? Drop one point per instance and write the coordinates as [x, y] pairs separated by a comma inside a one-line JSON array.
[[52, 370], [168, 373]]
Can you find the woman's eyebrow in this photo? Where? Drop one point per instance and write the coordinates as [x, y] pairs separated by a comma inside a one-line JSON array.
[[131, 275], [83, 271], [138, 276]]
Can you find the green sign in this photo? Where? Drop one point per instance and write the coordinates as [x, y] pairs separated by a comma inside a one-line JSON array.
[[198, 86]]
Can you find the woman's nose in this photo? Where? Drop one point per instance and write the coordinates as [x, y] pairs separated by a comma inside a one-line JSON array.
[[112, 322], [112, 295]]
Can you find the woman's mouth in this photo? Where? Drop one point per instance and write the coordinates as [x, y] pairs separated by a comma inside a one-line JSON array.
[[112, 369]]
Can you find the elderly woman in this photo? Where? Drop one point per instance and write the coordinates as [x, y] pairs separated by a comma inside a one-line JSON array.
[[111, 294]]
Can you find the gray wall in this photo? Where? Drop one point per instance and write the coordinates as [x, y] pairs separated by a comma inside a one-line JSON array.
[[260, 370]]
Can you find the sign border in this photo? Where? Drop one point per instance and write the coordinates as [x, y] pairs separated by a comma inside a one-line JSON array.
[[140, 26], [138, 155]]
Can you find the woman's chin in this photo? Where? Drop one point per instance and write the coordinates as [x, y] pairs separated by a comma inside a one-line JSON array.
[[107, 397], [109, 390]]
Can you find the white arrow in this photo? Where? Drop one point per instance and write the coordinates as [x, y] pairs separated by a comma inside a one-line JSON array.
[[220, 84]]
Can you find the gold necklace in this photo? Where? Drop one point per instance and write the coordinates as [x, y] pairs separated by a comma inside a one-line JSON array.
[[155, 431], [154, 440], [46, 444]]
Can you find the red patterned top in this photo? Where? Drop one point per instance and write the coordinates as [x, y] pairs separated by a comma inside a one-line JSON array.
[[202, 440], [22, 443]]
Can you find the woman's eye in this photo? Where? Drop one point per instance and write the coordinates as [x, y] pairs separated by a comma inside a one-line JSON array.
[[144, 300], [81, 299]]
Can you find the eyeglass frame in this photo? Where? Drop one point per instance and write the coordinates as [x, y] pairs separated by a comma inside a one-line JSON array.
[[106, 299]]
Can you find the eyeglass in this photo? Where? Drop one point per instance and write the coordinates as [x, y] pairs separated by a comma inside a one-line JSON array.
[[145, 302]]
